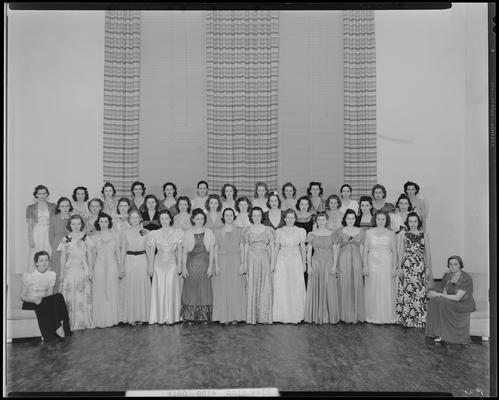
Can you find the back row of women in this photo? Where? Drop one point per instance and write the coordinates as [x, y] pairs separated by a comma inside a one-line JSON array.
[[233, 260]]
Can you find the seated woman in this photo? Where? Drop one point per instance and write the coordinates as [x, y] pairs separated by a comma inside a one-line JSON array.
[[448, 317], [36, 294]]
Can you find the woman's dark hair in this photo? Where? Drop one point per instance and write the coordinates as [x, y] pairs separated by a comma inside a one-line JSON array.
[[387, 217], [152, 196], [167, 212], [40, 187], [38, 254], [173, 186], [184, 198], [75, 216], [309, 189], [278, 199], [297, 206], [201, 182], [344, 186], [369, 200], [138, 183], [257, 185], [213, 196], [250, 216], [61, 199], [103, 215], [198, 211], [122, 200], [458, 259], [321, 214], [333, 196], [403, 196], [95, 199], [75, 190], [239, 200], [378, 186], [347, 213], [288, 184], [290, 211], [413, 214], [409, 183], [108, 184], [223, 214], [234, 189]]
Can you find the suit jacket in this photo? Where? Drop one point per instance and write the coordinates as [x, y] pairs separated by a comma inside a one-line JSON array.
[[32, 211]]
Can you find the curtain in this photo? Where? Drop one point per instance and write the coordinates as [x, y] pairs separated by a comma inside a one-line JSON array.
[[121, 99], [242, 51], [359, 51]]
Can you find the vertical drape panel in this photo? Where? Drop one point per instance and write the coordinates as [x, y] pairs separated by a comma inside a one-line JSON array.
[[359, 50], [121, 99], [242, 52]]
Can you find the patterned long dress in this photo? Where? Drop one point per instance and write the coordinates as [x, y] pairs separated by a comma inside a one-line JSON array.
[[411, 288]]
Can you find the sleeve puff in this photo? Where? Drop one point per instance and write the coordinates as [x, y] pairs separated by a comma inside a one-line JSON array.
[[26, 279], [302, 235], [89, 242], [29, 213], [61, 246]]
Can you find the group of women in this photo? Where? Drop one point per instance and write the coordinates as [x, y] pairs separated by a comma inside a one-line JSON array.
[[231, 259]]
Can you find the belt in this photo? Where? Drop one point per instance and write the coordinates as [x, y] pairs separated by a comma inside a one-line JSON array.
[[136, 253]]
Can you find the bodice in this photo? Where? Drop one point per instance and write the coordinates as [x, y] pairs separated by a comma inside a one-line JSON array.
[[381, 243], [44, 217], [347, 240], [259, 240], [105, 245]]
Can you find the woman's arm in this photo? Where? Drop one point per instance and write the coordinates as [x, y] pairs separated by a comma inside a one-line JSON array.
[[303, 256], [394, 254], [90, 260], [336, 256], [210, 262], [31, 241], [246, 250], [184, 262], [455, 297], [215, 259], [309, 259], [123, 248], [364, 250], [400, 248], [427, 253], [64, 257], [179, 257], [150, 250], [242, 251], [29, 299], [274, 251]]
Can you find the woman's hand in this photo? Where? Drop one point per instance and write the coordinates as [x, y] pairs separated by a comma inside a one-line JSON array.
[[122, 274], [185, 274], [209, 272], [217, 271], [335, 273], [38, 300], [241, 269], [90, 276], [365, 271], [432, 294], [150, 270]]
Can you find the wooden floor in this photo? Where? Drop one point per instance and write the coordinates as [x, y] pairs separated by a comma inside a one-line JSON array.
[[362, 357]]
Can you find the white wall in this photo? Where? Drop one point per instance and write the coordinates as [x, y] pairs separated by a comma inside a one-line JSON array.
[[55, 111], [432, 122]]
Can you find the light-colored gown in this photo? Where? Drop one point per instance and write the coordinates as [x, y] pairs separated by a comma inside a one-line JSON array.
[[260, 203], [229, 287], [349, 204], [182, 221], [75, 284], [136, 283], [335, 219], [259, 305], [351, 285], [41, 233], [81, 210], [214, 223], [242, 220], [106, 293], [289, 282], [288, 203], [110, 207], [321, 304], [166, 295], [379, 290]]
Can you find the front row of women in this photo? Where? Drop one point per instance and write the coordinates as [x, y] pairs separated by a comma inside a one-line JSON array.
[[254, 274]]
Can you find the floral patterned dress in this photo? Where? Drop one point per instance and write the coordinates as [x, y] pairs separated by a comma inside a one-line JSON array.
[[411, 287]]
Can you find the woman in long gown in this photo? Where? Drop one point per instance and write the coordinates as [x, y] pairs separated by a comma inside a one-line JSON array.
[[289, 283], [378, 193], [106, 274], [80, 197], [259, 256], [274, 217], [38, 218], [365, 216], [166, 264], [243, 205], [76, 281], [261, 196], [315, 191], [57, 230], [380, 263], [183, 219], [448, 318], [288, 196], [150, 218], [108, 197], [335, 216], [120, 220], [419, 205], [229, 195], [136, 284], [137, 201], [346, 201], [170, 201], [229, 283], [95, 206], [214, 214], [321, 305], [348, 251], [197, 297], [415, 275]]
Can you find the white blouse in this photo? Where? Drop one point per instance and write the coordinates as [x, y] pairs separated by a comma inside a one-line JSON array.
[[38, 283]]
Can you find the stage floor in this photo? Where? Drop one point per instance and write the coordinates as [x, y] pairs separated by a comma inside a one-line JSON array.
[[362, 357]]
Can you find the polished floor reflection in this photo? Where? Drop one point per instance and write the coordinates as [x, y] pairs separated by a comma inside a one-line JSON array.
[[362, 357]]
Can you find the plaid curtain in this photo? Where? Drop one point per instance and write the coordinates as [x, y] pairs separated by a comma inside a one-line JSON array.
[[359, 50], [121, 99], [242, 51]]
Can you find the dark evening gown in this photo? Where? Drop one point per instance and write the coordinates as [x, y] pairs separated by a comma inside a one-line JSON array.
[[307, 224], [150, 225]]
